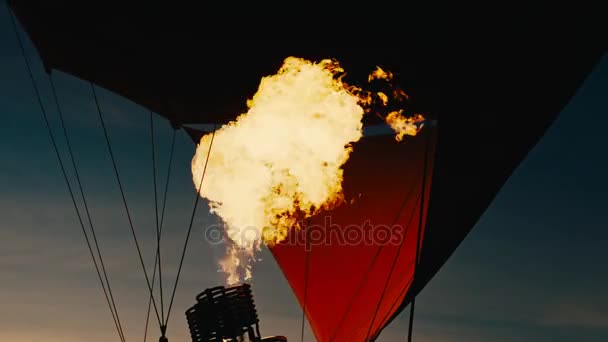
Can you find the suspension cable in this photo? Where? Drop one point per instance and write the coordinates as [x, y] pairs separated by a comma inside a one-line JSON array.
[[198, 192], [385, 320], [162, 216], [419, 232], [390, 273], [124, 199], [407, 227], [63, 170], [157, 256], [306, 270], [84, 200], [418, 237], [166, 190], [406, 199]]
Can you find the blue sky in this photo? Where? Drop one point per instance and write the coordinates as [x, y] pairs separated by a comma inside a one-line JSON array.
[[533, 269]]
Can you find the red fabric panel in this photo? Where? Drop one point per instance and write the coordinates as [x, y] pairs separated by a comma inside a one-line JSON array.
[[347, 272]]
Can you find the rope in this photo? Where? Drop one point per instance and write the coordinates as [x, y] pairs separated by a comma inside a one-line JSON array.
[[84, 201], [373, 262], [157, 257], [409, 222], [63, 171], [162, 216], [306, 267], [181, 262], [397, 301], [420, 223], [411, 320], [162, 212], [390, 273], [124, 199], [392, 269]]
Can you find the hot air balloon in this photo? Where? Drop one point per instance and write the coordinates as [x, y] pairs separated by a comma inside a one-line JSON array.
[[486, 108]]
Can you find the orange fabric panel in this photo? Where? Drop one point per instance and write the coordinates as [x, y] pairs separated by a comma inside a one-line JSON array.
[[352, 248]]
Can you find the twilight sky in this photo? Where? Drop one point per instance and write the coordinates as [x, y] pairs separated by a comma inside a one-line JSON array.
[[533, 269]]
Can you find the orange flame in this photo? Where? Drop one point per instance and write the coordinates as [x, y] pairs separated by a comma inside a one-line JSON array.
[[282, 160]]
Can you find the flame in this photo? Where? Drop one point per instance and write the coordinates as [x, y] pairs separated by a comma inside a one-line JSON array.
[[236, 264], [282, 160], [383, 98], [404, 125], [380, 74]]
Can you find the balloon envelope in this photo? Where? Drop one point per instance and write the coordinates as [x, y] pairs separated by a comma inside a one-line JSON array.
[[348, 260], [492, 103]]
